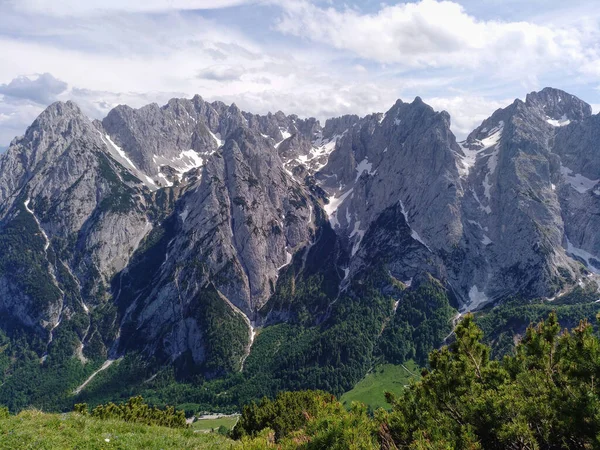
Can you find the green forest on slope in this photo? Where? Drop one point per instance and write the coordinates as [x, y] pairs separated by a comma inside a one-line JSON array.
[[361, 332], [544, 395]]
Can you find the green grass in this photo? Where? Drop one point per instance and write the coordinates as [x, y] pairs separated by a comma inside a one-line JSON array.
[[213, 424], [384, 378], [34, 429]]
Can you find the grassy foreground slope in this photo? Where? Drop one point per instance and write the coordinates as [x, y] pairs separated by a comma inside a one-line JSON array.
[[383, 378], [35, 429]]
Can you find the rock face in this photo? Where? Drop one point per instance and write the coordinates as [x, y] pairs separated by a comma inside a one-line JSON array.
[[90, 193], [71, 218], [401, 165], [495, 213], [513, 172], [148, 228]]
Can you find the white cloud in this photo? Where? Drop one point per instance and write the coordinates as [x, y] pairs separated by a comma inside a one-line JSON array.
[[42, 89], [90, 7], [126, 53], [346, 62], [126, 60], [222, 72], [466, 111], [440, 34]]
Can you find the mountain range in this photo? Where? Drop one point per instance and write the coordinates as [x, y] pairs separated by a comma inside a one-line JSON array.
[[183, 232]]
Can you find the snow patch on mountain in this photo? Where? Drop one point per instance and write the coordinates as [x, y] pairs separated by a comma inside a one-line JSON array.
[[285, 135], [577, 181], [360, 234], [121, 153], [318, 155], [288, 260], [492, 162], [333, 205], [362, 166], [217, 137], [475, 149], [563, 121], [191, 159], [121, 157], [494, 136], [413, 233], [184, 214], [468, 160], [30, 211], [592, 262], [165, 179]]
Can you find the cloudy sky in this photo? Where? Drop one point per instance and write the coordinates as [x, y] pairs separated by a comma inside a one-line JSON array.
[[313, 58]]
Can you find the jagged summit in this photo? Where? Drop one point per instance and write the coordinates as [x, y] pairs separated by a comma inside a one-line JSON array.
[[58, 114], [61, 107], [559, 106]]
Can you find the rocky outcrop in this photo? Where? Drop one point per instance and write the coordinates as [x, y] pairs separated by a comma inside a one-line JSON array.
[[91, 194], [490, 211], [512, 210], [401, 164], [72, 217]]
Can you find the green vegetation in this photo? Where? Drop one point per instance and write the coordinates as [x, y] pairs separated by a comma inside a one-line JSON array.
[[22, 259], [121, 197], [226, 333], [24, 380], [422, 321], [383, 378], [135, 410], [34, 429], [208, 425], [306, 287], [288, 412], [306, 420], [545, 396], [333, 355], [329, 340], [505, 324], [359, 333]]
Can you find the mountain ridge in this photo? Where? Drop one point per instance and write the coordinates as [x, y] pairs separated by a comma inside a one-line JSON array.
[[179, 231]]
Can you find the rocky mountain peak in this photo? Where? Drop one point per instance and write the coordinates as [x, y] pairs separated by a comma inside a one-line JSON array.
[[61, 107], [234, 110], [336, 126], [57, 114], [54, 130], [558, 106]]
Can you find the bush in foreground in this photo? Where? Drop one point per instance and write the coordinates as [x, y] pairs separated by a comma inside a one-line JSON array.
[[544, 396], [135, 410]]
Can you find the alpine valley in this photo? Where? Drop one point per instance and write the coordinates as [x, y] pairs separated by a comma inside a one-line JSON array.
[[198, 254]]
